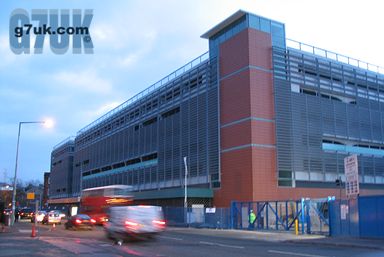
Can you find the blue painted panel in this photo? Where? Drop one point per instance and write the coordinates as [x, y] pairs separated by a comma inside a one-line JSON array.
[[349, 224], [353, 149], [353, 217], [371, 212]]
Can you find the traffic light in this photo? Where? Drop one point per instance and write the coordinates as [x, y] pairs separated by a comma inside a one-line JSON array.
[[338, 182]]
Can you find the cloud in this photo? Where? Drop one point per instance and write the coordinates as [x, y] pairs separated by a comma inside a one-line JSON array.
[[143, 49], [93, 114], [7, 56], [105, 108], [88, 81]]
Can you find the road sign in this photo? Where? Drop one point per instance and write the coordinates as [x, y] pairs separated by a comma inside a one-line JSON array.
[[351, 175], [31, 196]]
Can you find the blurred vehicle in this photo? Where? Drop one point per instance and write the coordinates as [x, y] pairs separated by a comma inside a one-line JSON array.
[[96, 201], [7, 211], [25, 213], [62, 215], [39, 217], [80, 221], [141, 221], [6, 217], [52, 217]]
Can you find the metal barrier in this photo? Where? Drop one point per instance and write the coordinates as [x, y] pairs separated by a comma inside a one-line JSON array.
[[312, 215], [316, 216], [199, 217]]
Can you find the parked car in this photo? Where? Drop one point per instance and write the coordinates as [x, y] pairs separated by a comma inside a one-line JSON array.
[[39, 217], [25, 213], [141, 221], [51, 217], [80, 221]]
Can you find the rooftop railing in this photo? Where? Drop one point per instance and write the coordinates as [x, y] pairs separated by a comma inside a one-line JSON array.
[[65, 141], [147, 91], [333, 56]]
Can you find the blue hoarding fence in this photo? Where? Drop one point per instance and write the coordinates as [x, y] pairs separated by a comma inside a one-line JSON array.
[[359, 217], [199, 217], [312, 216]]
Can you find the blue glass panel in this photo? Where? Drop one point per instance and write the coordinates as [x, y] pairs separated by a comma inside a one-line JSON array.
[[265, 25], [278, 34], [254, 22]]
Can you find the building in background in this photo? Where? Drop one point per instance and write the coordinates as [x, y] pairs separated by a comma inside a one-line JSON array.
[[46, 189], [60, 179], [259, 117]]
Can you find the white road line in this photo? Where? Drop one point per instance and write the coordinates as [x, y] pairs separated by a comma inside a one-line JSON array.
[[295, 254], [26, 231], [173, 238], [222, 245], [105, 245]]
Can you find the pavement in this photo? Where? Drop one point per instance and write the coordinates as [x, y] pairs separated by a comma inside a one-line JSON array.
[[274, 236], [289, 237]]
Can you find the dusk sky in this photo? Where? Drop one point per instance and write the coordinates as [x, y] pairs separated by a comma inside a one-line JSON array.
[[136, 43]]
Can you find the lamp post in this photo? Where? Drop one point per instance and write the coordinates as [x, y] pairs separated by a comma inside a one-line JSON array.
[[185, 183], [185, 190], [48, 124]]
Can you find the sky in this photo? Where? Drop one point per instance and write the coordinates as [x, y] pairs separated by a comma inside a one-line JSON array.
[[136, 43]]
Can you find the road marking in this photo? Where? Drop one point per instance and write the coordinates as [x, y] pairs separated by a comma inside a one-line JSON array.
[[173, 238], [26, 231], [76, 246], [222, 245], [295, 254], [105, 245]]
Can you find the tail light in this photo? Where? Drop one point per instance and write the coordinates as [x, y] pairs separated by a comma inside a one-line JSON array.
[[93, 221], [160, 223], [131, 224], [78, 221]]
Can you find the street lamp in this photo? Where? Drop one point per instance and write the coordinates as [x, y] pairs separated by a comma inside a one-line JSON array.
[[185, 183], [47, 123]]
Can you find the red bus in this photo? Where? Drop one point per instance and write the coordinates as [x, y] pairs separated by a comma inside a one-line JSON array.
[[96, 201]]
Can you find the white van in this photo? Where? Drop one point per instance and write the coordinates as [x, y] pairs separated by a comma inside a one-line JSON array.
[[137, 221]]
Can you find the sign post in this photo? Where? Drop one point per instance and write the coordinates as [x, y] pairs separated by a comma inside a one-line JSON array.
[[351, 176]]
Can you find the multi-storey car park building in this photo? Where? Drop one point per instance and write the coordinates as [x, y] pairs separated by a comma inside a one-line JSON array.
[[259, 117], [60, 178]]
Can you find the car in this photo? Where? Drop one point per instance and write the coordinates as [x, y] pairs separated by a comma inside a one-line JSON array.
[[80, 221], [51, 217], [136, 221], [7, 212], [61, 214], [25, 213], [39, 217]]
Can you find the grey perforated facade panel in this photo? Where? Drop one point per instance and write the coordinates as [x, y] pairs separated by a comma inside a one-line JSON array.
[[325, 111], [144, 144]]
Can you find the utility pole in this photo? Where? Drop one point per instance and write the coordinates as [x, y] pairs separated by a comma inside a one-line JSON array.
[[339, 183]]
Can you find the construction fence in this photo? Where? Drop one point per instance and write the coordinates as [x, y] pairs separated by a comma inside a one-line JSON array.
[[362, 216], [312, 216]]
